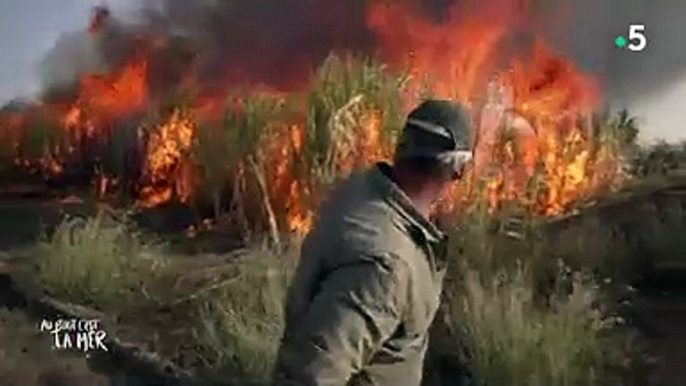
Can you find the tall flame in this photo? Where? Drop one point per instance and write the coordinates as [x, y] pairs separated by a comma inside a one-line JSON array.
[[548, 95], [165, 171]]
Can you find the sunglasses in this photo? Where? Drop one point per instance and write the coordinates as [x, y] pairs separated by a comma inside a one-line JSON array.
[[457, 161]]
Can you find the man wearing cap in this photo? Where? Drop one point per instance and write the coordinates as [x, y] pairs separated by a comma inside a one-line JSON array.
[[371, 272]]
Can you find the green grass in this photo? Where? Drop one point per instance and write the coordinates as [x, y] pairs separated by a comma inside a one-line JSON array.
[[512, 340], [522, 319], [237, 157], [94, 261], [240, 325], [342, 92], [511, 326]]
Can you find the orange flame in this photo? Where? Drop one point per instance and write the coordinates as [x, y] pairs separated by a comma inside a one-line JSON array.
[[536, 131], [118, 94], [165, 170], [549, 94]]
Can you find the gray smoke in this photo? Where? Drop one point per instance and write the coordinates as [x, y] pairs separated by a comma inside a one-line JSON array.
[[78, 53], [279, 42], [73, 54], [652, 83]]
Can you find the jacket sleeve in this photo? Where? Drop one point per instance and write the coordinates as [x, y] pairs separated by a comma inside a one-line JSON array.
[[357, 308]]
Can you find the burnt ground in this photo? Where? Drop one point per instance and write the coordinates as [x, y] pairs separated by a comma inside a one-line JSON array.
[[26, 357]]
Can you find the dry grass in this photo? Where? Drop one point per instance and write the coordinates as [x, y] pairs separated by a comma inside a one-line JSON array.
[[94, 261], [524, 320], [240, 325], [512, 340], [514, 329]]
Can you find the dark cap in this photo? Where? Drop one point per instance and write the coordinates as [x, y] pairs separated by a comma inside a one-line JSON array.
[[437, 129]]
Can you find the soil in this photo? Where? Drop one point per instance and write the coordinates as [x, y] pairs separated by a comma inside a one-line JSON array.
[[26, 355], [28, 358]]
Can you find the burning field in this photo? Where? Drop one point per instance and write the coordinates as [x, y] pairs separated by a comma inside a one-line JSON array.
[[245, 115], [247, 118]]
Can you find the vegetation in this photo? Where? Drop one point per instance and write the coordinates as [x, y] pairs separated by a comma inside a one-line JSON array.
[[94, 261], [522, 319], [239, 327], [511, 340], [514, 311], [659, 159], [525, 304]]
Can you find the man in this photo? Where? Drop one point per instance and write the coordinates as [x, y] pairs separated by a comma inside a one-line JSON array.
[[371, 272]]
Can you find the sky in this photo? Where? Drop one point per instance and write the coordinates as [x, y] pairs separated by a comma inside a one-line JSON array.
[[651, 84], [29, 28]]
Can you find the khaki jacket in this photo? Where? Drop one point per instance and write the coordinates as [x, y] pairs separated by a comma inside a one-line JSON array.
[[365, 292]]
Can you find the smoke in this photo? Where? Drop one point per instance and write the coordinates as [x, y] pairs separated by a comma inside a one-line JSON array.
[[279, 43], [272, 42], [78, 53], [652, 83], [231, 43], [73, 54]]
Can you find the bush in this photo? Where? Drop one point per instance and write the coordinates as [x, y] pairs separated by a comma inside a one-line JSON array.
[[241, 322], [511, 340], [93, 260], [660, 158]]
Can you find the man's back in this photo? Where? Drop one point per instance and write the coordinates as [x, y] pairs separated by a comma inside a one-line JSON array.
[[365, 292]]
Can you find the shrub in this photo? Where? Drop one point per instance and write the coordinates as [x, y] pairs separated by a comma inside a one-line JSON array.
[[660, 159]]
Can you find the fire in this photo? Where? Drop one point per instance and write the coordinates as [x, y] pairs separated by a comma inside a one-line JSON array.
[[361, 144], [165, 172], [546, 92], [534, 128], [295, 192], [457, 55], [116, 94]]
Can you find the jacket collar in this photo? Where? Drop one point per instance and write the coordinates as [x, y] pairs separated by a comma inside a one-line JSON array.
[[381, 182]]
